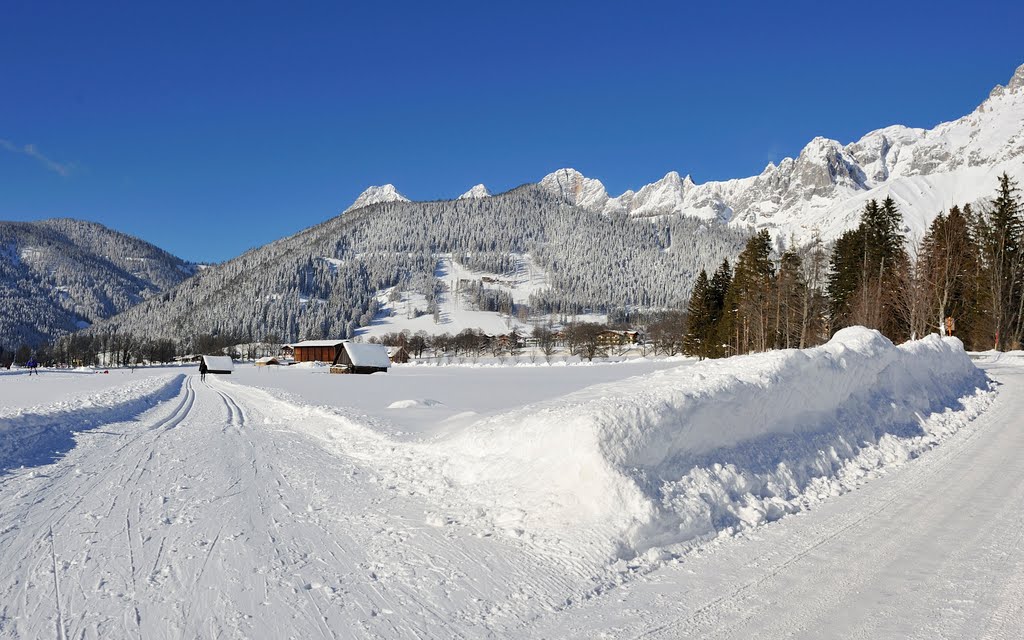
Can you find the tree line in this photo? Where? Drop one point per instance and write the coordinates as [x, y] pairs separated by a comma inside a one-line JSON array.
[[964, 278]]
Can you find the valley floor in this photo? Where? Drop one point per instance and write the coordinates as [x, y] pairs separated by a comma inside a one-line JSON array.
[[240, 508]]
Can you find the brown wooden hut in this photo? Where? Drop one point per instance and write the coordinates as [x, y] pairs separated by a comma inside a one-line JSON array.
[[316, 350]]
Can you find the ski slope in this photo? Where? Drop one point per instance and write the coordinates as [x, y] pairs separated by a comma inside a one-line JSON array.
[[429, 503]]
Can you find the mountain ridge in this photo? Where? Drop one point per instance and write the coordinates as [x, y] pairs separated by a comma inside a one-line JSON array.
[[60, 274], [822, 190]]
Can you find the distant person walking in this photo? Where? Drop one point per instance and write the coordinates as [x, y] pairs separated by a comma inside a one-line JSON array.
[[33, 366], [202, 369]]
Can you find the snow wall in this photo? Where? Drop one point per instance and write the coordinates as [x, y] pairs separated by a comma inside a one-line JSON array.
[[684, 454]]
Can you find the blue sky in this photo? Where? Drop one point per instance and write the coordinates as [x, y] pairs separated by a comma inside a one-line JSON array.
[[210, 128]]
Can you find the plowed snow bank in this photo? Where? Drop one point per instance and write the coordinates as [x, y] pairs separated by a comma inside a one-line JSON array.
[[38, 435], [684, 454]]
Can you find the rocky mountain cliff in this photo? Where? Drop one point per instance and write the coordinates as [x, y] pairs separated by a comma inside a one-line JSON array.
[[824, 188]]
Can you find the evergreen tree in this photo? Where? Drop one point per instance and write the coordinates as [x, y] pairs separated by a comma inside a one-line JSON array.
[[844, 277], [790, 294], [868, 264], [700, 316], [999, 234], [749, 299], [722, 320], [947, 261]]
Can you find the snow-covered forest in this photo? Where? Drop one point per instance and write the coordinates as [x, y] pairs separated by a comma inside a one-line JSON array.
[[324, 281], [60, 275], [965, 278]]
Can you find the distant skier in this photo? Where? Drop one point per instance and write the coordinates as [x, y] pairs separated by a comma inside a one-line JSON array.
[[202, 369], [33, 366]]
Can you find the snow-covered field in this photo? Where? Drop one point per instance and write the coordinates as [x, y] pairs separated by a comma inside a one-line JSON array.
[[635, 499]]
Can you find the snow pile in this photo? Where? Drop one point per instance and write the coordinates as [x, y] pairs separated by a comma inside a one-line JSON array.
[[38, 434], [411, 404], [685, 454]]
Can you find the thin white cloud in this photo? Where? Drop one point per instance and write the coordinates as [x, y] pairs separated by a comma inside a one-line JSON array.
[[30, 150]]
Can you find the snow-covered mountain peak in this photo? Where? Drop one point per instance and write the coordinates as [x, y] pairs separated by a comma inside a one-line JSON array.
[[373, 195], [479, 191], [576, 188], [819, 147], [1015, 85]]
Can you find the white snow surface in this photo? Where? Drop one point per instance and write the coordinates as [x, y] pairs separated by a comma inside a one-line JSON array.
[[455, 312], [507, 501]]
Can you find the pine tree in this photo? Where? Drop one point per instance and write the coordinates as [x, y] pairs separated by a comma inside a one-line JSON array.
[[999, 234], [868, 264], [846, 267], [722, 319], [700, 316], [947, 261], [749, 299], [789, 299]]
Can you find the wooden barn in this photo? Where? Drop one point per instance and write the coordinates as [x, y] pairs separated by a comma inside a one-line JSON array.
[[361, 358], [267, 361], [316, 350]]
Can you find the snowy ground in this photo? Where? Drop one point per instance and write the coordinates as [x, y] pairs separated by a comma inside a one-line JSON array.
[[618, 500], [456, 313]]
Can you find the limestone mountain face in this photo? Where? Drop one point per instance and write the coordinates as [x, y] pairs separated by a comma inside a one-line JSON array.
[[824, 188]]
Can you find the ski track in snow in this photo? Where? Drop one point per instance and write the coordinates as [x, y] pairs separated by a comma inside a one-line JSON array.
[[223, 512], [212, 519]]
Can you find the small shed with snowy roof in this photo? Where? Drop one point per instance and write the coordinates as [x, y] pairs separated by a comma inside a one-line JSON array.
[[317, 350], [361, 358], [397, 354], [218, 364]]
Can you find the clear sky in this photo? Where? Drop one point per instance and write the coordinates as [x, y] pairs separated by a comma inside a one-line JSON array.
[[212, 127]]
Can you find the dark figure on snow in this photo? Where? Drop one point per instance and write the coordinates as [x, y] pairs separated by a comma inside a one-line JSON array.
[[203, 369], [33, 367]]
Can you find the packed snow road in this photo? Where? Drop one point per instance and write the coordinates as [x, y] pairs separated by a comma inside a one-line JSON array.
[[933, 550]]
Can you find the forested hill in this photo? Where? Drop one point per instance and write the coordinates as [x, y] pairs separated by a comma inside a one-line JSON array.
[[324, 281], [59, 275]]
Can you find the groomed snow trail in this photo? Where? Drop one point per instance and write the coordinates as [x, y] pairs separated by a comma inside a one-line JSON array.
[[934, 549], [207, 517]]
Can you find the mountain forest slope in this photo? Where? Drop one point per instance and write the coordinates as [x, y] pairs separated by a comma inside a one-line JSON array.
[[60, 275], [323, 282]]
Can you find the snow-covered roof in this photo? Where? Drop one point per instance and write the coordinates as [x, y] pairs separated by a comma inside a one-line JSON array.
[[219, 363], [267, 360], [367, 355], [316, 343]]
